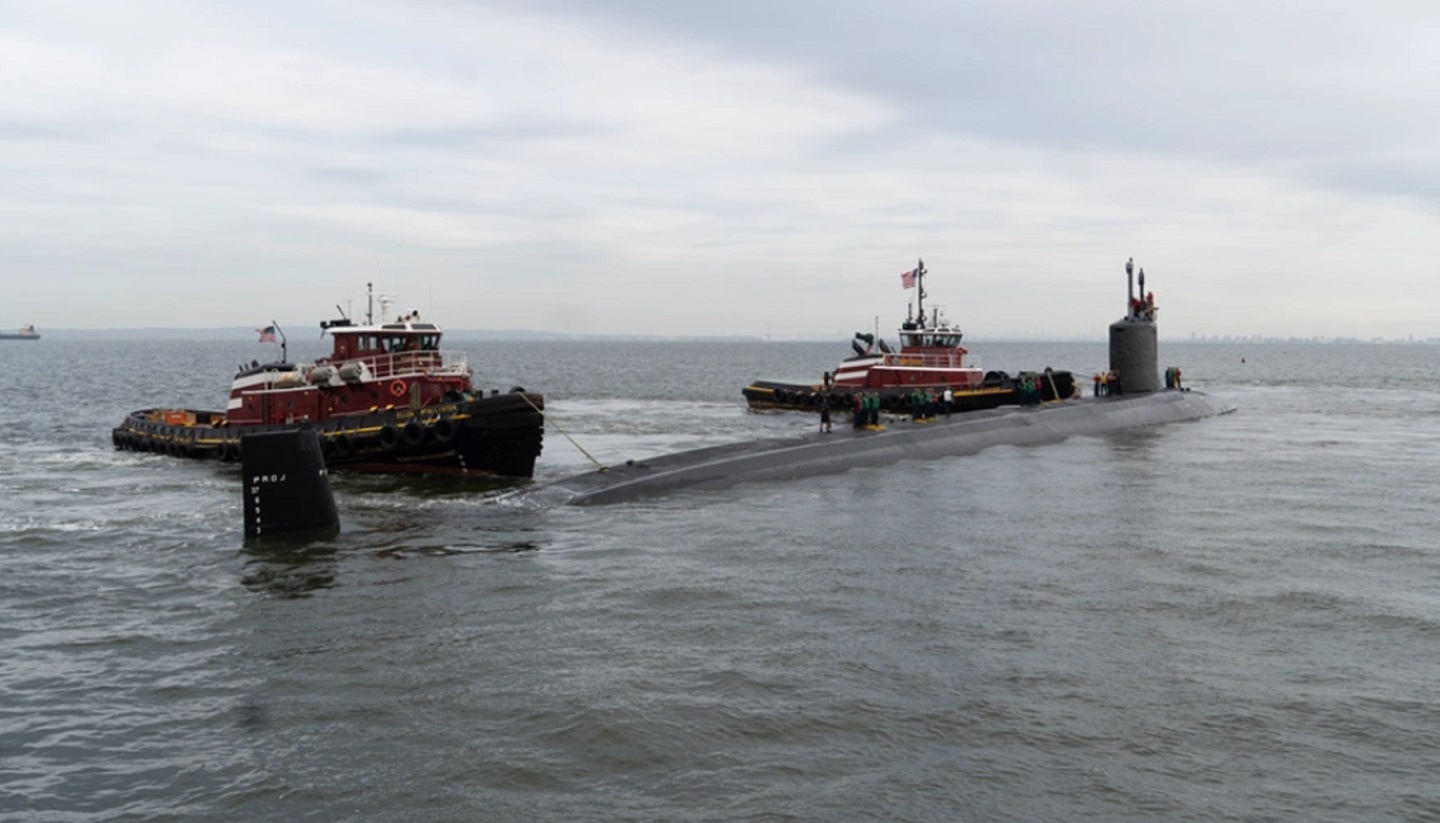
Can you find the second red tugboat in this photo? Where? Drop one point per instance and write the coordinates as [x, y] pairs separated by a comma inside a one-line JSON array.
[[387, 398], [931, 360]]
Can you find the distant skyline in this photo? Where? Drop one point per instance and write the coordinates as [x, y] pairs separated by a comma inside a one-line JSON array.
[[745, 168]]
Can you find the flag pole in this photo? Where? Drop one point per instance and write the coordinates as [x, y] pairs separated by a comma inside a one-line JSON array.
[[284, 344]]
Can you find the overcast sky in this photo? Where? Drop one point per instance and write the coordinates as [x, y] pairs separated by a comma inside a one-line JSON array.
[[742, 167]]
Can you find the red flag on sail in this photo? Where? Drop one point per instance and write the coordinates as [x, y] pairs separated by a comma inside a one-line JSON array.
[[907, 279], [267, 334]]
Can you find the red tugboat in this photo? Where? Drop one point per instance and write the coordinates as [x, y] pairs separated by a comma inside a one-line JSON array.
[[930, 359], [388, 398]]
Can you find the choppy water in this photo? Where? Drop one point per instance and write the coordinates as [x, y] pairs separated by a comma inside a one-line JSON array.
[[1230, 619]]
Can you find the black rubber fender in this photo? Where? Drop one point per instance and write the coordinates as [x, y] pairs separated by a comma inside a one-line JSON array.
[[341, 445], [444, 430], [389, 437]]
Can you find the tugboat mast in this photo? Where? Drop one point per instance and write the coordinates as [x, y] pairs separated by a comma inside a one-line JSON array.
[[385, 300], [920, 288]]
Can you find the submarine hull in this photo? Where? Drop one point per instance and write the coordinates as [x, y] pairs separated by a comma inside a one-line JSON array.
[[844, 449]]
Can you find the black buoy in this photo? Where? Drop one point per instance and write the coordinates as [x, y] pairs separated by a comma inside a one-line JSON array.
[[286, 487]]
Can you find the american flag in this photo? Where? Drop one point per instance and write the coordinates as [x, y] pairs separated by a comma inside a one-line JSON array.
[[907, 279], [267, 334]]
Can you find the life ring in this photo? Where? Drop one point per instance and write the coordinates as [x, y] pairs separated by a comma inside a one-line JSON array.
[[389, 437], [444, 430], [413, 434], [397, 388]]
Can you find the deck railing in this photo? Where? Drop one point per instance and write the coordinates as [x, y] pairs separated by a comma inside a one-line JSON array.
[[382, 367], [932, 361], [404, 364]]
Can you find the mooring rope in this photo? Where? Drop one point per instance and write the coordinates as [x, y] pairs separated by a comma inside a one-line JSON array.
[[550, 422]]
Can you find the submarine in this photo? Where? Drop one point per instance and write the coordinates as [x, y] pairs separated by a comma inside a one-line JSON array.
[[1131, 397]]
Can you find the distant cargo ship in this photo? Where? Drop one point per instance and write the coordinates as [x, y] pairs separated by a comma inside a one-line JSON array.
[[27, 332]]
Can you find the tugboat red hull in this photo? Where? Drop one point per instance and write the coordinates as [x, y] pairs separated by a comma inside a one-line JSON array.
[[497, 435], [999, 389]]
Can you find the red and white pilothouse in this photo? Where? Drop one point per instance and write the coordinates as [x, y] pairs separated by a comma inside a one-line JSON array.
[[930, 353], [374, 365]]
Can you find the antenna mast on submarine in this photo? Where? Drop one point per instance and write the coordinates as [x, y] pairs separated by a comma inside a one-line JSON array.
[[1130, 281]]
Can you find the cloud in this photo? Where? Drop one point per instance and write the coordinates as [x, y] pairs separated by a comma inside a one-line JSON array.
[[671, 168]]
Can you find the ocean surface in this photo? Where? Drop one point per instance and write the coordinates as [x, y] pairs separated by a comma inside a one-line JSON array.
[[1231, 619]]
